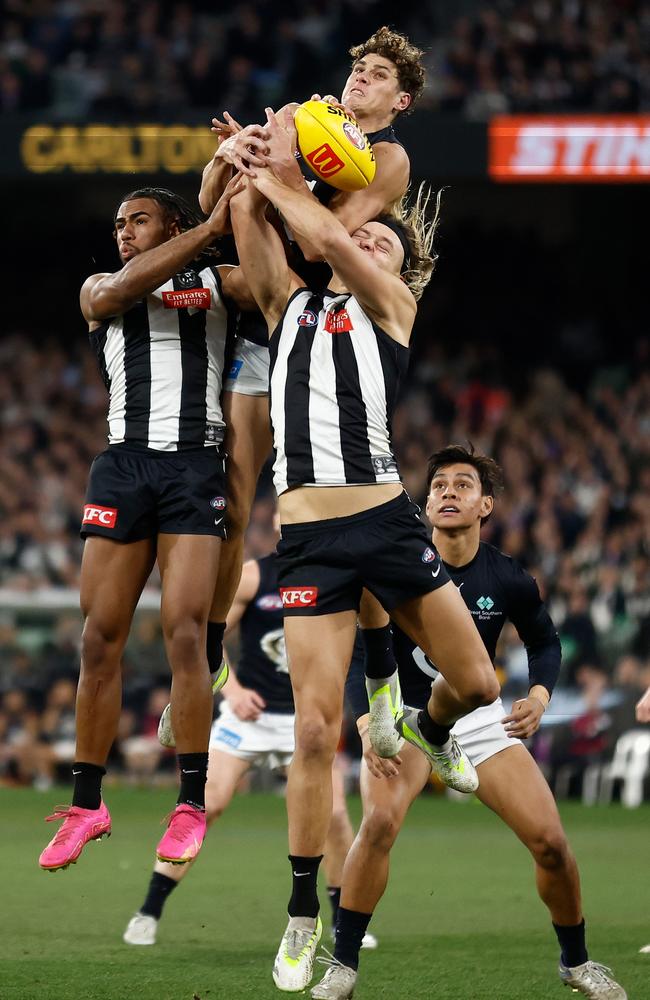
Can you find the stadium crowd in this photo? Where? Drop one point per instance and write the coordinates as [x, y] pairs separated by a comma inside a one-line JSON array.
[[156, 59], [574, 512]]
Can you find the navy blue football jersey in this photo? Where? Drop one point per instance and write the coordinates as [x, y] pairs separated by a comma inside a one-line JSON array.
[[263, 660], [495, 589]]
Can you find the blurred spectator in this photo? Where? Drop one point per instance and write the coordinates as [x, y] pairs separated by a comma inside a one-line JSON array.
[[123, 59]]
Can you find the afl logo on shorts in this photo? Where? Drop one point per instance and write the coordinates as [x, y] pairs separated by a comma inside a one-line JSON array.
[[354, 135], [269, 602], [428, 555], [307, 318], [219, 503]]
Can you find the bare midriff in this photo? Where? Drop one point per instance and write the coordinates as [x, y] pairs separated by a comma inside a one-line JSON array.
[[319, 503]]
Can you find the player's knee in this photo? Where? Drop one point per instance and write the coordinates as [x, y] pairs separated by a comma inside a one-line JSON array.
[[482, 689], [101, 647], [379, 829], [185, 643], [315, 738], [214, 807], [550, 848], [340, 823]]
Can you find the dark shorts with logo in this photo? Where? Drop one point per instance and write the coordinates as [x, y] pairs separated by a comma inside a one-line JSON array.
[[135, 494], [323, 566]]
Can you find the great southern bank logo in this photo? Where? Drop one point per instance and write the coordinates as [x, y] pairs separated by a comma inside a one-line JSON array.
[[485, 603]]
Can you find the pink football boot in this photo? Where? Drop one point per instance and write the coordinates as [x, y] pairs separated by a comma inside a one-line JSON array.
[[79, 826], [184, 837]]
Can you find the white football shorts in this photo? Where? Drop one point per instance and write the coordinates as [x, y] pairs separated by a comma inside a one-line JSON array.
[[249, 370], [481, 733], [268, 740]]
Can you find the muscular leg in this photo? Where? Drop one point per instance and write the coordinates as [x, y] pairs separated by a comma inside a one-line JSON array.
[[319, 651], [188, 568], [248, 443], [512, 785], [385, 804], [442, 627], [224, 774], [113, 575], [340, 834]]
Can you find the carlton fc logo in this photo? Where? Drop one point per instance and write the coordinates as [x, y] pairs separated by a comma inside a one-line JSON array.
[[307, 318]]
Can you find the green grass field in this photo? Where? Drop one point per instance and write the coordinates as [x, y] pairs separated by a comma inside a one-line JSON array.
[[460, 920]]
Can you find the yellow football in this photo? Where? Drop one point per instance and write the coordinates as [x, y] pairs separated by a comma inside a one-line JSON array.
[[334, 146]]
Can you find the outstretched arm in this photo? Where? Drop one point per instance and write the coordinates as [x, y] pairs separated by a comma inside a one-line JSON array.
[[105, 295], [261, 254], [383, 294]]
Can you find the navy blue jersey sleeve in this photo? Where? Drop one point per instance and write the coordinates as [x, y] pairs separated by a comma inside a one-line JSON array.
[[355, 685], [528, 614]]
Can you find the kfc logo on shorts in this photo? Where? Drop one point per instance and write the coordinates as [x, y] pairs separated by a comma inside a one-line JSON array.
[[104, 517], [307, 318], [219, 503], [299, 597], [428, 555]]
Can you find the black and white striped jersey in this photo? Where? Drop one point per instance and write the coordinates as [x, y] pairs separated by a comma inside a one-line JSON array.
[[333, 385], [162, 363]]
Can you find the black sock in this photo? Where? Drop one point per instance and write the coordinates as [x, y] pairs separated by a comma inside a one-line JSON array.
[[432, 731], [160, 888], [214, 645], [380, 658], [572, 943], [334, 893], [194, 772], [87, 792], [304, 895], [350, 930]]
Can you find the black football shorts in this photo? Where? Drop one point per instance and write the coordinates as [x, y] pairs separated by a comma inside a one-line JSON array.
[[324, 565], [134, 494]]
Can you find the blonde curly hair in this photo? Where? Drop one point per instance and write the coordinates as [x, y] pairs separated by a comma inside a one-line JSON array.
[[419, 225], [406, 57]]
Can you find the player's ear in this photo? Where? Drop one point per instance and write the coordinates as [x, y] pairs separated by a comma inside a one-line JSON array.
[[487, 506], [402, 101]]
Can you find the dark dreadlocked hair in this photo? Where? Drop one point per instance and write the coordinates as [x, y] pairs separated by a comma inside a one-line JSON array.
[[175, 209]]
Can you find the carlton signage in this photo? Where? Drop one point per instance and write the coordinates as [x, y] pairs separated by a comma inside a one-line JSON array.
[[116, 149], [570, 148]]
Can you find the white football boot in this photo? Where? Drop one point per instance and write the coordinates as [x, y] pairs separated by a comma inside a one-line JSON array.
[[294, 962], [386, 709], [338, 982], [592, 980], [450, 763], [141, 929]]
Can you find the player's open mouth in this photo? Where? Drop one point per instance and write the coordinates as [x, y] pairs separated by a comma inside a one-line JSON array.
[[355, 90], [447, 509]]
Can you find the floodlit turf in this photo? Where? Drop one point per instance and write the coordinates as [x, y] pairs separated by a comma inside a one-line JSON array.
[[460, 921]]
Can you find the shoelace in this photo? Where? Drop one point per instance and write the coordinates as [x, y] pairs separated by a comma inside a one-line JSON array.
[[294, 943], [66, 831], [600, 974], [333, 967]]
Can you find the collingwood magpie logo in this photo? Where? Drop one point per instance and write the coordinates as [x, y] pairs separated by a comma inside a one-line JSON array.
[[186, 279]]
